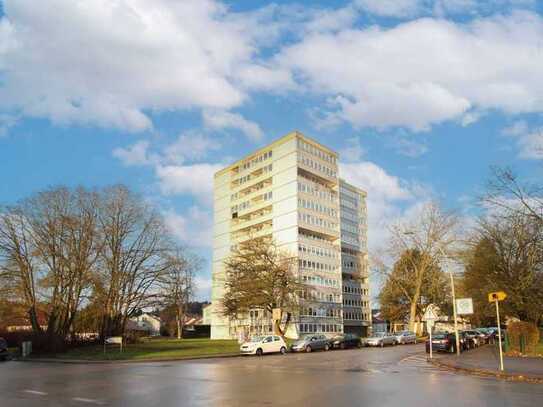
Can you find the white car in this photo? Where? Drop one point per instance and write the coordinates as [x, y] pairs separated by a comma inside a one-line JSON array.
[[258, 345], [406, 337]]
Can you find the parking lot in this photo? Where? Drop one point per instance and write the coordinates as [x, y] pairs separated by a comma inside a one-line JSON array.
[[362, 377]]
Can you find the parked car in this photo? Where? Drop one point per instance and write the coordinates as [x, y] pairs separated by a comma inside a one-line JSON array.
[[346, 341], [258, 345], [473, 338], [406, 337], [381, 339], [310, 343], [4, 354], [485, 333], [445, 342]]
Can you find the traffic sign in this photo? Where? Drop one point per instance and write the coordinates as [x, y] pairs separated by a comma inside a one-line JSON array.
[[496, 296], [430, 314], [464, 306]]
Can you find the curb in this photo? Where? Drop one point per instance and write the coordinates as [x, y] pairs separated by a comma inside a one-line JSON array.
[[128, 361], [487, 373]]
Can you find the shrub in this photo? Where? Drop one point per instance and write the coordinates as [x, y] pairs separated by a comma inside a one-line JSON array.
[[518, 330]]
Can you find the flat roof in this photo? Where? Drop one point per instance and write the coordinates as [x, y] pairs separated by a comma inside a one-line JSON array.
[[349, 185], [277, 142]]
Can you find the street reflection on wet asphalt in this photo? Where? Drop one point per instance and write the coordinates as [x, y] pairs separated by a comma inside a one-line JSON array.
[[395, 376]]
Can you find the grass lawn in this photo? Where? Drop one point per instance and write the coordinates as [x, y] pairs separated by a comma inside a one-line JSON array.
[[154, 349], [539, 349]]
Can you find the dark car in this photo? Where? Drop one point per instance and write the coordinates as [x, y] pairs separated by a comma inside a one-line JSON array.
[[346, 341], [4, 354], [446, 342]]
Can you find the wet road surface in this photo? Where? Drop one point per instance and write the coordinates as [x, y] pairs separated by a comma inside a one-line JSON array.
[[396, 376]]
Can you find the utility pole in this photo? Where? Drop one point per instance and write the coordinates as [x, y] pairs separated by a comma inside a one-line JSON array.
[[457, 337]]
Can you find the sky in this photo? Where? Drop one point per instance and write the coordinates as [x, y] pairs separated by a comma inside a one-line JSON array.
[[419, 97]]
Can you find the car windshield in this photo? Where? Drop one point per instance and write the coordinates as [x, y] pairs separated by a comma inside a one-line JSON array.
[[257, 338], [439, 336]]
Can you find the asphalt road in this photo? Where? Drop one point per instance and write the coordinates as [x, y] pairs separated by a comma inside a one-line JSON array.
[[395, 376]]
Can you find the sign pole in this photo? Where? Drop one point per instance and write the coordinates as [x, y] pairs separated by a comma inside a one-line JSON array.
[[454, 315], [499, 334], [430, 326]]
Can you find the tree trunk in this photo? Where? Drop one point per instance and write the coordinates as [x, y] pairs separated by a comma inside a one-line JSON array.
[[32, 315], [178, 322]]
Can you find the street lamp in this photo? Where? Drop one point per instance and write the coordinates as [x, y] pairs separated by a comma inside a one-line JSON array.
[[454, 306], [457, 337]]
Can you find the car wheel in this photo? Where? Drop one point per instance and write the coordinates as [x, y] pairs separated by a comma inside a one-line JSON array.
[[259, 352], [308, 349], [326, 347], [283, 350], [382, 344]]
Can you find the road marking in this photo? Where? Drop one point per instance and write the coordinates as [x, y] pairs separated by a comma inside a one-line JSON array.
[[39, 393], [88, 401]]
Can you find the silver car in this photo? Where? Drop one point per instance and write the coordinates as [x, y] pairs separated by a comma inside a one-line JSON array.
[[310, 343], [381, 339], [404, 337]]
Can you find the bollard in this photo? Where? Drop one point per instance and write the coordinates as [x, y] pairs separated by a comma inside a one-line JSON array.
[[26, 349]]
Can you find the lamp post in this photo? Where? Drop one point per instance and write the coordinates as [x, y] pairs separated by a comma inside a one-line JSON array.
[[454, 306]]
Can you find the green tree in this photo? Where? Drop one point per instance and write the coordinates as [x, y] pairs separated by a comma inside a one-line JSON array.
[[506, 255], [260, 275], [401, 289]]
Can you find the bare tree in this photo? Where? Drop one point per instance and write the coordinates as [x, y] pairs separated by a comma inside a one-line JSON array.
[[421, 244], [134, 256], [63, 230], [19, 271], [260, 275], [509, 195], [177, 284]]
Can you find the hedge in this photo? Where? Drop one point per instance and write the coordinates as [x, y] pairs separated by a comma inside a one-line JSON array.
[[523, 335]]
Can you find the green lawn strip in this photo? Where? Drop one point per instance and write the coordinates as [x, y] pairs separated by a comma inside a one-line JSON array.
[[539, 350], [153, 349]]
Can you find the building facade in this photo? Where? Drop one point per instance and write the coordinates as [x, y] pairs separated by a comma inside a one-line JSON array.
[[354, 259], [289, 190]]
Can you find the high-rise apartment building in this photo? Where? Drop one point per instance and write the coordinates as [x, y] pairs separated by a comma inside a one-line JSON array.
[[291, 190], [354, 259]]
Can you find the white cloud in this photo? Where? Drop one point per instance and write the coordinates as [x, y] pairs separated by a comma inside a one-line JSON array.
[[135, 154], [529, 140], [107, 63], [218, 120], [387, 197], [426, 71], [190, 147], [194, 228], [195, 180], [6, 122], [411, 8], [518, 128], [353, 151], [410, 148], [391, 8]]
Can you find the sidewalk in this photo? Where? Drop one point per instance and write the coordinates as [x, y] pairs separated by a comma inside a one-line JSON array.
[[486, 361]]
